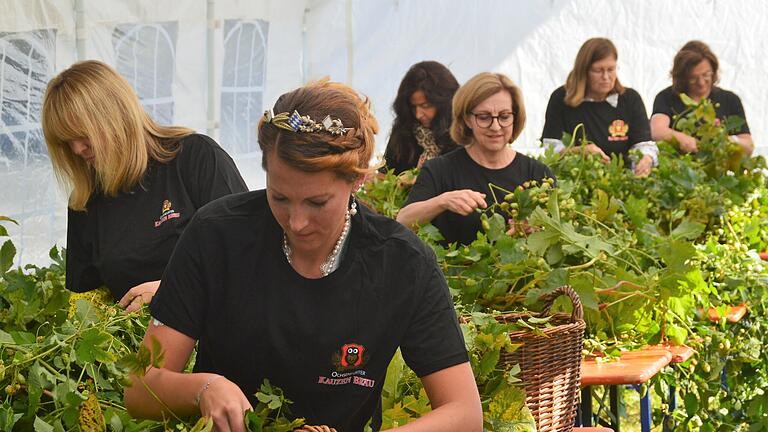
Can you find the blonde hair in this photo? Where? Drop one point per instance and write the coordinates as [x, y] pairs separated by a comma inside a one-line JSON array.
[[347, 155], [593, 50], [479, 88], [90, 100]]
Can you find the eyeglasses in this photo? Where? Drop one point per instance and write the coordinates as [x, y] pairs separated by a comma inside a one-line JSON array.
[[600, 72], [706, 76], [485, 120]]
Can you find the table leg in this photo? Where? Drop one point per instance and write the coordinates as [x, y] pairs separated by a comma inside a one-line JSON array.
[[615, 395], [668, 426], [585, 412], [645, 411]]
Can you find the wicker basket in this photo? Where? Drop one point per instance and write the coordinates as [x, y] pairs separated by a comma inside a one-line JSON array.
[[550, 365]]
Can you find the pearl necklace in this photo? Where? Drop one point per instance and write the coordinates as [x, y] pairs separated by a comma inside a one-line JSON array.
[[329, 264]]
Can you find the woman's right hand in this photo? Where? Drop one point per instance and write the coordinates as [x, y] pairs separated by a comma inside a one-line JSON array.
[[687, 144], [225, 403], [595, 150], [463, 201]]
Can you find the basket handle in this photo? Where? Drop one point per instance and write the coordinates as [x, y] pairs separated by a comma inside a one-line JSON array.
[[566, 290]]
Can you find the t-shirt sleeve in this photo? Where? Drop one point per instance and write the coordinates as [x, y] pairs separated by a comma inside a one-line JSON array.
[[554, 120], [433, 339], [426, 185], [82, 275], [180, 301], [211, 171], [662, 103], [738, 110], [639, 127]]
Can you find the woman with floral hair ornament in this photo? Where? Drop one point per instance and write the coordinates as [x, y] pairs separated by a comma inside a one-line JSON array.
[[301, 285]]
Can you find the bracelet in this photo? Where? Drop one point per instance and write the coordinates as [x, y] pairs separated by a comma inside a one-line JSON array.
[[205, 387]]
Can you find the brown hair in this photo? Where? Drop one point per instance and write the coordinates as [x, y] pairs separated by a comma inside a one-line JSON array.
[[689, 56], [479, 88], [593, 50], [347, 155], [90, 100]]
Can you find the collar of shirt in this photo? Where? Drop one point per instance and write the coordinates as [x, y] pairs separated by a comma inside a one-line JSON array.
[[612, 99]]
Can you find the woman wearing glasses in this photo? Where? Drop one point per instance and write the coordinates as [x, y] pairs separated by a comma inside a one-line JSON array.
[[614, 117], [695, 73], [488, 114], [422, 117]]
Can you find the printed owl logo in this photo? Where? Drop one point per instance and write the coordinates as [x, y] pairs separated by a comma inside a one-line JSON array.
[[618, 128], [166, 206], [350, 356]]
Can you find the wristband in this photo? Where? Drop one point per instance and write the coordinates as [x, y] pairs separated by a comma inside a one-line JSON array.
[[205, 387]]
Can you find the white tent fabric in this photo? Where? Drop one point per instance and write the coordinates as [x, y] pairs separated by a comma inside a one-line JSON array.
[[215, 65]]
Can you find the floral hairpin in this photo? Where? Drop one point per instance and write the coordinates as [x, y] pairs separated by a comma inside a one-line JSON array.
[[299, 123]]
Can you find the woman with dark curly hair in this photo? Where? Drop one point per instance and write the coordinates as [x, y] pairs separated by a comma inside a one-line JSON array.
[[422, 117]]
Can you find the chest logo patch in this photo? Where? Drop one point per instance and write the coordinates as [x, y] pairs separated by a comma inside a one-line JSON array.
[[618, 131], [166, 213], [348, 363]]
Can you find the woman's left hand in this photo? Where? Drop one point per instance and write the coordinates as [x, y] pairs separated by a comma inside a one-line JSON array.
[[139, 295], [643, 168]]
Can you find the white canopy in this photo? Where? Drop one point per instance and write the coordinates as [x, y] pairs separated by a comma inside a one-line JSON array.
[[215, 65]]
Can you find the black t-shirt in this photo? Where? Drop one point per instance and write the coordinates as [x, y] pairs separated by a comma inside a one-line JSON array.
[[614, 130], [457, 170], [326, 342], [127, 240], [668, 102]]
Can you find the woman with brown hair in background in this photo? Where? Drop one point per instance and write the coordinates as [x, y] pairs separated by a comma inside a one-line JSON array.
[[614, 116], [422, 110], [695, 72]]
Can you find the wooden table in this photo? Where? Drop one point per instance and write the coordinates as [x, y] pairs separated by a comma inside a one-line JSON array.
[[633, 368], [734, 314]]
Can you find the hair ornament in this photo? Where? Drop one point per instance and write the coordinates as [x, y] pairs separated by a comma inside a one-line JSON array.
[[299, 123]]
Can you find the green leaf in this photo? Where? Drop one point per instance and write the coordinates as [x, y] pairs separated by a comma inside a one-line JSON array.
[[691, 403], [540, 241], [677, 334], [7, 252], [497, 227], [42, 426], [688, 230]]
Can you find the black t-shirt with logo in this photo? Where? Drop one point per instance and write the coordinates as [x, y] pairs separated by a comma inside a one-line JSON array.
[[456, 171], [728, 104], [127, 240], [326, 342], [614, 129]]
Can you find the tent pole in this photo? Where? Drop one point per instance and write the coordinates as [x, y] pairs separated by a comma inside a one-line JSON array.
[[211, 125], [80, 35], [350, 46]]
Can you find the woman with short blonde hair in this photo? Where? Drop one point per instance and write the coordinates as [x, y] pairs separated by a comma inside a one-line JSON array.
[[133, 184], [488, 114], [613, 116]]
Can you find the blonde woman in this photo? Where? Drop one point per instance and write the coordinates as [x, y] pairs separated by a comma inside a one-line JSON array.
[[614, 116], [134, 185], [488, 114]]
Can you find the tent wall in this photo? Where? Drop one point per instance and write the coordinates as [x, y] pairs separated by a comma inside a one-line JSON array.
[[535, 44], [214, 65]]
